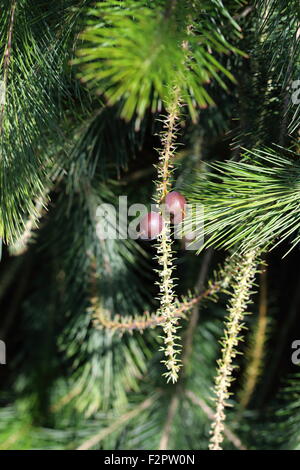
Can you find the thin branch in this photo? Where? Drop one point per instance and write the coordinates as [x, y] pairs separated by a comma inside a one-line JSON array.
[[21, 245], [102, 318], [256, 352], [189, 335], [16, 298], [281, 342], [13, 438], [168, 138], [63, 401], [244, 13], [121, 324], [164, 441], [187, 350], [164, 242], [210, 414], [234, 325], [94, 440], [9, 274], [170, 6]]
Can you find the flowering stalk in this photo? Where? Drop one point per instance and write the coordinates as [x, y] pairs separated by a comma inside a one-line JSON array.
[[237, 308], [257, 345], [129, 323], [164, 244], [119, 323]]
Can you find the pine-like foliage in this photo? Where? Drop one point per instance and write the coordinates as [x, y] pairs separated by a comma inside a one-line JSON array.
[[121, 101], [131, 51], [235, 217]]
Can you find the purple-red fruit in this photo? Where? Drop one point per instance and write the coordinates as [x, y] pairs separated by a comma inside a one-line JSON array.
[[175, 205], [151, 225]]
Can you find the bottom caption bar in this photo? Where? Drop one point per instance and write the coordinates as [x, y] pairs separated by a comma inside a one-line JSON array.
[[136, 458]]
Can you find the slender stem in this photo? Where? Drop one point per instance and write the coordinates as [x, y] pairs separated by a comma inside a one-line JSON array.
[[94, 440], [9, 275], [122, 324], [164, 243], [164, 441], [21, 245], [13, 438], [189, 335], [171, 4], [256, 353], [234, 325], [210, 414], [16, 299], [187, 350], [168, 143], [140, 323]]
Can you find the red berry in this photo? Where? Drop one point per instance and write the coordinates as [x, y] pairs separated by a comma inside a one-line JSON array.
[[175, 203], [151, 225]]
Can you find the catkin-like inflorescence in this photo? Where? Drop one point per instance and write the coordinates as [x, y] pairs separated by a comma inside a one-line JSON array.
[[164, 243], [168, 304], [234, 325]]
